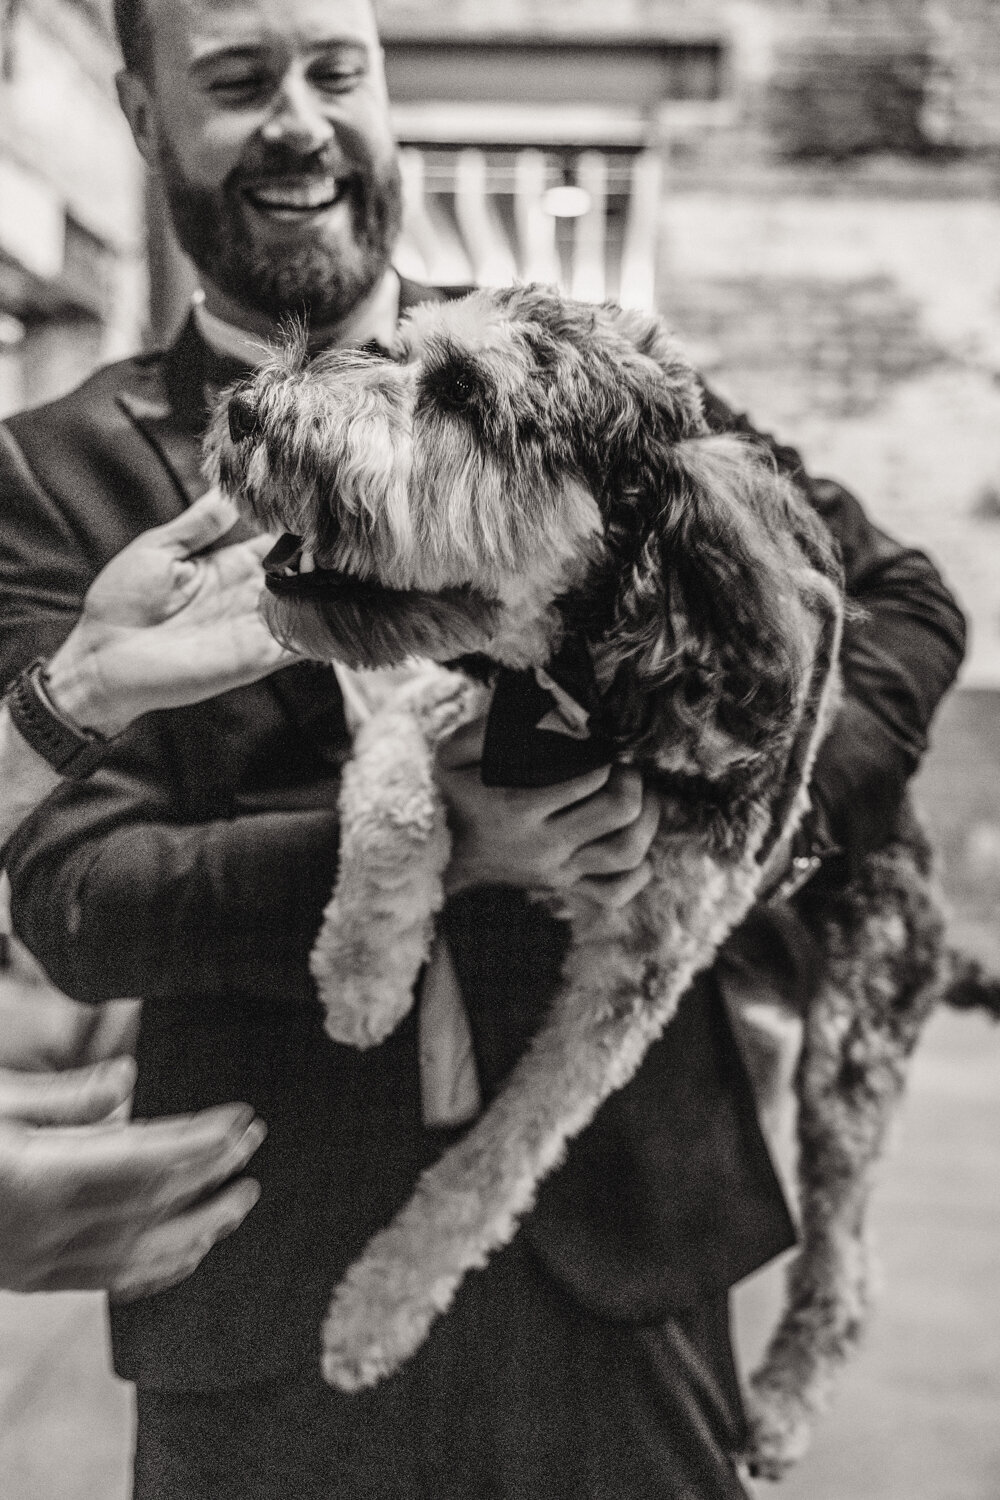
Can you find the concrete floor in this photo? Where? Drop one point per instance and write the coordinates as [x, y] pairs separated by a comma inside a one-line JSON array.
[[917, 1417]]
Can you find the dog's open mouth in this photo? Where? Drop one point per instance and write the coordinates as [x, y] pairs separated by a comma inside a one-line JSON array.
[[367, 623]]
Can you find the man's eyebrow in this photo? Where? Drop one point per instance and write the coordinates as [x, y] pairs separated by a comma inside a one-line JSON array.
[[254, 51]]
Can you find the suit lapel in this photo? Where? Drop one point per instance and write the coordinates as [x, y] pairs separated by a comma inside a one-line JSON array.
[[169, 399], [170, 404]]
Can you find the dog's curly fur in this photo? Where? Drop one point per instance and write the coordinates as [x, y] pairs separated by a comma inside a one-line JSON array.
[[520, 470]]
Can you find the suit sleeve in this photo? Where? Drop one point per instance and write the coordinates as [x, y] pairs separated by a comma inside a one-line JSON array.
[[44, 568], [158, 877], [116, 899], [903, 645]]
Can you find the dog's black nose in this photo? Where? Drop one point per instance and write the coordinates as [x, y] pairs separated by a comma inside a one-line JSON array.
[[244, 422]]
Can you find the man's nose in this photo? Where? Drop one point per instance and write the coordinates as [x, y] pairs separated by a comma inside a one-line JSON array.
[[297, 118]]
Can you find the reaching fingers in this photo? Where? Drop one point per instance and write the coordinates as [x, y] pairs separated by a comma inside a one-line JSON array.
[[76, 1096], [150, 1259], [145, 1171], [198, 527], [44, 1032], [167, 1254]]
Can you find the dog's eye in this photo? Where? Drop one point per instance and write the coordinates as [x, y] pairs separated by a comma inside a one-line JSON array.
[[453, 389]]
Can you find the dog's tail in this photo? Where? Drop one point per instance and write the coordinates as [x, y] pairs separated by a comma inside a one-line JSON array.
[[967, 985]]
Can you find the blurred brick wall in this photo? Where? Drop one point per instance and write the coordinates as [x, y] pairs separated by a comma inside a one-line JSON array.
[[858, 315]]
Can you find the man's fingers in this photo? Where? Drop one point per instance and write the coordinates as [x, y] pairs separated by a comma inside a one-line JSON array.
[[128, 1265], [615, 803], [615, 891], [198, 527], [167, 1254], [617, 853], [77, 1096], [464, 748], [148, 1169]]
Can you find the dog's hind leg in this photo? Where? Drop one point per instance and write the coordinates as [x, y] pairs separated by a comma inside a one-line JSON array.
[[394, 848], [884, 951]]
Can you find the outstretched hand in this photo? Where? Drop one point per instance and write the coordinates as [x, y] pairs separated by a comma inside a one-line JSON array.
[[89, 1201], [167, 623]]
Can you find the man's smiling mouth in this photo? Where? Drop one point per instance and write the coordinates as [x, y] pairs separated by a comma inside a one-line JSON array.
[[297, 195]]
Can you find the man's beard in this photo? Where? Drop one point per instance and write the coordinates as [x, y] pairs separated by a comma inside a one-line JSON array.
[[321, 281]]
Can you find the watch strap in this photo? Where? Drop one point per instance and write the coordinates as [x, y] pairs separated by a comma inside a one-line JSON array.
[[68, 747]]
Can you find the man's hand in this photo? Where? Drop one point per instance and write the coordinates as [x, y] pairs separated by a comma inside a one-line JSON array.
[[89, 1202], [592, 833], [167, 623]]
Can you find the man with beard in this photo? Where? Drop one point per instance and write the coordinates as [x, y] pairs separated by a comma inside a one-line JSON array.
[[591, 1358]]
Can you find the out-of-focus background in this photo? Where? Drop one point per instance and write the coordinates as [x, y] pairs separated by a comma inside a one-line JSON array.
[[810, 191]]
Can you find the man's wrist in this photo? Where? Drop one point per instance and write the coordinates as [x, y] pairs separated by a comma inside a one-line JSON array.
[[77, 692]]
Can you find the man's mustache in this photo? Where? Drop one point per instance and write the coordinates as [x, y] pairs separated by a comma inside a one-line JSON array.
[[280, 161]]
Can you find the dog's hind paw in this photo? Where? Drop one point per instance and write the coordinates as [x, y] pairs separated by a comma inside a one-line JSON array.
[[780, 1433]]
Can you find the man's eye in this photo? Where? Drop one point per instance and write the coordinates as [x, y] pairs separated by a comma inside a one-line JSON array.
[[337, 80], [235, 90]]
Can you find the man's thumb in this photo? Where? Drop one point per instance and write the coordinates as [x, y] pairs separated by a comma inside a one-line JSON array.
[[200, 525], [77, 1096]]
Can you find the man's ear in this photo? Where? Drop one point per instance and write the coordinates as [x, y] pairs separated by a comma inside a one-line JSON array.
[[137, 107]]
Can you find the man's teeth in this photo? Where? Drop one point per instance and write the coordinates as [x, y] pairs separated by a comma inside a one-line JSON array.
[[310, 193]]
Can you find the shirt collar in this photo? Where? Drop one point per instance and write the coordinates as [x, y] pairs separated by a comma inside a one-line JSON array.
[[374, 318]]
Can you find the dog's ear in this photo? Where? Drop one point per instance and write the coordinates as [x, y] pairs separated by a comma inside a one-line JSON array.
[[719, 568], [659, 370]]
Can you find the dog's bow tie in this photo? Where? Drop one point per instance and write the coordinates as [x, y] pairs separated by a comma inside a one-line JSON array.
[[540, 728]]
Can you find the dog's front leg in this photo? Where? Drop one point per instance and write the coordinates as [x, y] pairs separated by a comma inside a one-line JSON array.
[[625, 973], [394, 848]]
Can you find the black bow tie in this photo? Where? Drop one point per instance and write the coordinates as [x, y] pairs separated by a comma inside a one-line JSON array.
[[516, 750]]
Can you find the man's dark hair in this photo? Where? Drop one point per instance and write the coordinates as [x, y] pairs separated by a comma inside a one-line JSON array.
[[132, 27]]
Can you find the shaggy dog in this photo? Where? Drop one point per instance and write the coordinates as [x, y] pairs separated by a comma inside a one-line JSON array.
[[519, 478]]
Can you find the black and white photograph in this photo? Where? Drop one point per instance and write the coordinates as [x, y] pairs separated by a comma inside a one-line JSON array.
[[499, 750]]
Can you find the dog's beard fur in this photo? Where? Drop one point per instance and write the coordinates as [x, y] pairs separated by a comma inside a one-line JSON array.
[[372, 626], [551, 459]]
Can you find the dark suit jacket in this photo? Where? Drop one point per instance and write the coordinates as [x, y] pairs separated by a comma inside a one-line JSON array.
[[193, 870]]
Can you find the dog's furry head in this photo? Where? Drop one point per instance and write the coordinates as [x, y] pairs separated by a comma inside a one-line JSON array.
[[519, 466]]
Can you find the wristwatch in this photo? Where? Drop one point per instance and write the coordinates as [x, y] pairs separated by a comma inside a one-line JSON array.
[[68, 747]]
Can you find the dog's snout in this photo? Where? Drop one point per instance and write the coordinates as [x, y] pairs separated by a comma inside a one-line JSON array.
[[244, 422]]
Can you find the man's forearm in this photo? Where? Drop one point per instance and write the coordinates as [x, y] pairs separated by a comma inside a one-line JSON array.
[[149, 908]]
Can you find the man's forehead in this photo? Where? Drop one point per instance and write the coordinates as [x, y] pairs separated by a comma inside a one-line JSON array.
[[196, 28]]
